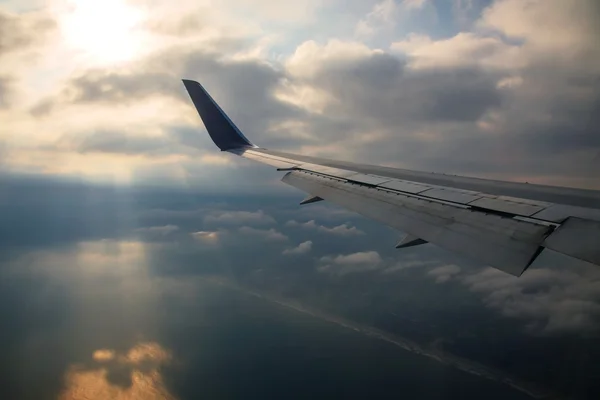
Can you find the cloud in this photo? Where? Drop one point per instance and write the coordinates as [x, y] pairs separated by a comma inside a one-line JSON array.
[[206, 236], [6, 88], [444, 273], [116, 142], [302, 248], [502, 96], [21, 31], [158, 230], [536, 22], [549, 301], [385, 15], [265, 234], [342, 230], [239, 218], [343, 264], [308, 224], [381, 15], [466, 49]]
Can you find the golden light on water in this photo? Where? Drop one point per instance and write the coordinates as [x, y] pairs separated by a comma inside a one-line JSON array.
[[142, 363], [103, 355]]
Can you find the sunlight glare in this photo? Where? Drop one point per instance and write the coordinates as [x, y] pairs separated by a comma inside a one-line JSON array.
[[105, 31]]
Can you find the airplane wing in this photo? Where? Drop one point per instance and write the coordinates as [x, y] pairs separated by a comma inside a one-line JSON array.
[[503, 224]]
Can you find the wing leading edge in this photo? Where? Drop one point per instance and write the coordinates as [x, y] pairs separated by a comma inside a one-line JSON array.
[[503, 224]]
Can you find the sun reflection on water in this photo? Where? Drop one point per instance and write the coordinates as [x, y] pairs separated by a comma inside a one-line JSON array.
[[134, 375]]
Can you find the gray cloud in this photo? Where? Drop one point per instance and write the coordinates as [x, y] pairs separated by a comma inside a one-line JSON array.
[[158, 230], [344, 264], [549, 300], [302, 248], [527, 120], [444, 273], [380, 89], [265, 234], [117, 142], [6, 89], [18, 32]]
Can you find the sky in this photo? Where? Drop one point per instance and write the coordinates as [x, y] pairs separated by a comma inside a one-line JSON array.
[[137, 261]]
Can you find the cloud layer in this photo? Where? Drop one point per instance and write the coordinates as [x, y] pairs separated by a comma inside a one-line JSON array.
[[495, 98]]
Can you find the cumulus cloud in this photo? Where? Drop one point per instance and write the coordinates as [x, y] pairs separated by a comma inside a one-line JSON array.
[[302, 248], [444, 273], [466, 49], [342, 230], [239, 218], [265, 234], [343, 264], [307, 224]]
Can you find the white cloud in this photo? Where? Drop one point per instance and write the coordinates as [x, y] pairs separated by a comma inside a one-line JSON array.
[[239, 218], [341, 230], [537, 21], [302, 248], [159, 230], [308, 224], [343, 264], [385, 15], [444, 273], [266, 234], [310, 57], [380, 16], [206, 236], [549, 301], [371, 257], [463, 50]]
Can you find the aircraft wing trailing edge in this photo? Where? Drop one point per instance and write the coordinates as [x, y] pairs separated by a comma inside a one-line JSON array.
[[503, 224]]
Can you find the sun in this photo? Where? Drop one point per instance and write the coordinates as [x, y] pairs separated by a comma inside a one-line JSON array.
[[104, 31]]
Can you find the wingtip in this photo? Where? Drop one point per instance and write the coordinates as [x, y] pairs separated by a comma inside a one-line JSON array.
[[221, 129]]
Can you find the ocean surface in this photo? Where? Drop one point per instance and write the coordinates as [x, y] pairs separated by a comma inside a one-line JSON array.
[[201, 340]]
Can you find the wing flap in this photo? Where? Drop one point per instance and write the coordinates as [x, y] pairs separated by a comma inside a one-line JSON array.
[[505, 243]]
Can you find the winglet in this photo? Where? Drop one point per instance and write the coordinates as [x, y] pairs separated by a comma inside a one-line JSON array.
[[221, 129]]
